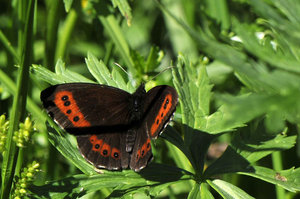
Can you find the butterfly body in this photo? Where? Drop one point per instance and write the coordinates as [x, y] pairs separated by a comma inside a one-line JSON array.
[[113, 127]]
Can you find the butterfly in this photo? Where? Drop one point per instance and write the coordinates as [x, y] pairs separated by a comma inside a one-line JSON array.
[[113, 127]]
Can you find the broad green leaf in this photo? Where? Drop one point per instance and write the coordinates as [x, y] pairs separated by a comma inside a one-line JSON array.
[[253, 149], [195, 93], [195, 192], [154, 178], [229, 162], [227, 190], [177, 148], [61, 75], [200, 191], [250, 106], [205, 191], [267, 53], [102, 74], [99, 70], [288, 179], [68, 150]]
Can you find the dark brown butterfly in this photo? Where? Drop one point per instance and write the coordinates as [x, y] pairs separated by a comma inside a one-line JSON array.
[[113, 127]]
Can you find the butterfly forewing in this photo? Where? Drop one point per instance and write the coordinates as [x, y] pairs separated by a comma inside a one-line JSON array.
[[160, 105], [83, 105]]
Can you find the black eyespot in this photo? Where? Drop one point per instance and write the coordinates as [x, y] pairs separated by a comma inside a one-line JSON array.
[[157, 121], [148, 145], [75, 119], [165, 105], [104, 152], [167, 102], [97, 146], [162, 114], [116, 155], [64, 98], [143, 152], [67, 103], [69, 111]]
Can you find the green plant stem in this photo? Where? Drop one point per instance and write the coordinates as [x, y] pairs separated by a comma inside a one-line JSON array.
[[219, 10], [19, 161], [53, 18], [9, 47], [108, 53], [12, 89], [19, 102], [277, 165], [65, 35], [114, 31]]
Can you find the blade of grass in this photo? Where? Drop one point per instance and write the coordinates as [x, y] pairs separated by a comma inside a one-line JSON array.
[[65, 34], [8, 46], [53, 16], [219, 10], [115, 32], [19, 103], [12, 89], [277, 165]]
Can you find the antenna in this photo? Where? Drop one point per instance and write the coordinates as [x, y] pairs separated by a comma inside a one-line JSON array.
[[129, 75], [122, 68], [164, 70]]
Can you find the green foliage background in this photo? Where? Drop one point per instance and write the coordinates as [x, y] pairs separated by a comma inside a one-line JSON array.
[[235, 67]]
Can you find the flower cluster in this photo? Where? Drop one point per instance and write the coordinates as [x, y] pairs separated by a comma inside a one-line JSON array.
[[23, 134], [25, 180], [3, 132]]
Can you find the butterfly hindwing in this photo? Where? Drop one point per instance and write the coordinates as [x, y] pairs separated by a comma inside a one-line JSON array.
[[106, 150], [142, 153]]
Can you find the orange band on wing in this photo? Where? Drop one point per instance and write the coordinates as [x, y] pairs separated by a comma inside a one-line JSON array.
[[163, 111], [67, 105]]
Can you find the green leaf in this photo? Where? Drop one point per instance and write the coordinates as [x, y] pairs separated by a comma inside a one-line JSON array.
[[227, 190], [154, 178], [114, 31], [229, 162], [267, 53], [61, 75], [102, 74], [124, 9], [153, 60], [68, 4], [69, 150], [194, 92], [200, 191], [288, 179], [195, 192], [258, 146]]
